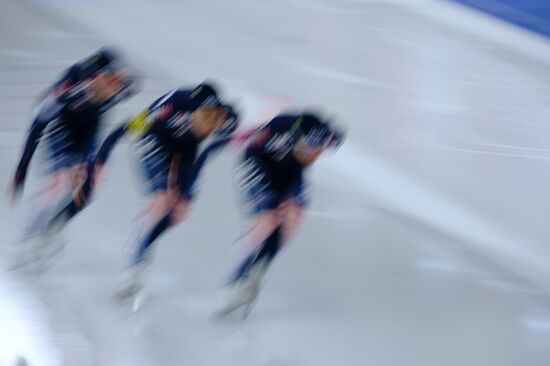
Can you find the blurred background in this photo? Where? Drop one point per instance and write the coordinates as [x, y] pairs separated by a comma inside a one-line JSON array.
[[425, 244]]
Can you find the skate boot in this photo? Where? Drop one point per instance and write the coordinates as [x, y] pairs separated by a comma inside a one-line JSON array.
[[244, 291], [132, 281]]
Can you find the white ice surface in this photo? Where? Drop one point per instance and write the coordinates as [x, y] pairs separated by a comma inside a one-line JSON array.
[[426, 240]]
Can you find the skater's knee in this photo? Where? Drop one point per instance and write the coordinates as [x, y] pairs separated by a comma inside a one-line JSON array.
[[78, 175], [266, 220], [59, 182], [59, 178], [180, 212], [160, 204]]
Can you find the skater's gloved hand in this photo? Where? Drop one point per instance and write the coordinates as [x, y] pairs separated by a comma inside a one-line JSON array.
[[79, 197], [96, 176], [82, 195], [173, 186], [338, 136], [15, 189]]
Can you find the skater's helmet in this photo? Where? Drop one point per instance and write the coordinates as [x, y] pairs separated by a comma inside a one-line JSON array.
[[104, 60], [205, 96], [314, 132]]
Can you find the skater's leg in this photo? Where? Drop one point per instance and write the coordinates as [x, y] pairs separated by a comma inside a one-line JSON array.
[[40, 240], [291, 214], [263, 239], [263, 254], [81, 187], [149, 236], [246, 282], [165, 210], [57, 187], [263, 225], [288, 215]]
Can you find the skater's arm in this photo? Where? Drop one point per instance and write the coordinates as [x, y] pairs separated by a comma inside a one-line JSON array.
[[136, 125], [338, 136], [82, 196], [31, 144], [109, 144], [210, 151], [130, 86], [224, 136], [230, 125], [48, 110]]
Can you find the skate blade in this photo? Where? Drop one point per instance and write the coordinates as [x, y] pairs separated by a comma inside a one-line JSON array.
[[39, 258], [227, 311], [32, 266], [244, 308], [128, 293], [133, 298], [248, 309]]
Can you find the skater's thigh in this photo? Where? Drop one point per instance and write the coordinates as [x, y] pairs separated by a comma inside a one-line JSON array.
[[58, 183], [290, 214], [261, 226]]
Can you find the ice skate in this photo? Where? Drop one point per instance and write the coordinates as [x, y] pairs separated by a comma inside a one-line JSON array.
[[132, 282], [244, 292], [37, 252]]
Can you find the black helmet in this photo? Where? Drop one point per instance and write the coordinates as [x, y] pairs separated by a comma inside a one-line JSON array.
[[205, 96], [103, 60], [314, 131]]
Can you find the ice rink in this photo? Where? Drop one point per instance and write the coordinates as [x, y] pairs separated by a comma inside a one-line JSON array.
[[426, 241]]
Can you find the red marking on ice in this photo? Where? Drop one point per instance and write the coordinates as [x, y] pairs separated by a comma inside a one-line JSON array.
[[281, 98], [17, 97], [32, 67], [28, 82], [14, 114]]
